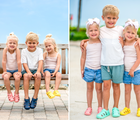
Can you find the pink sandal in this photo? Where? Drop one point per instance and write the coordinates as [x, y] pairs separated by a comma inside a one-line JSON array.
[[99, 110], [10, 97], [16, 97], [88, 111]]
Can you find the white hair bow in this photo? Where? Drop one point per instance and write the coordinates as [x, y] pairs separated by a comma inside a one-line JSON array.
[[90, 21], [130, 22]]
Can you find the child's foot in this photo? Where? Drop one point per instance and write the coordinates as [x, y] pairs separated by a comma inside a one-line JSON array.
[[99, 110], [33, 103], [115, 112], [103, 114], [125, 111], [27, 104], [88, 111], [138, 112], [50, 94], [56, 93], [16, 97], [10, 97]]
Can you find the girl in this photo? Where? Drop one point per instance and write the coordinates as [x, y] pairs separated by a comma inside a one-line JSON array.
[[52, 61], [132, 65], [90, 59], [11, 64]]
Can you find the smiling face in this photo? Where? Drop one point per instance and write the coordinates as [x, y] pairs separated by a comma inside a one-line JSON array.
[[11, 44], [31, 45], [93, 31], [49, 47], [130, 33], [110, 20]]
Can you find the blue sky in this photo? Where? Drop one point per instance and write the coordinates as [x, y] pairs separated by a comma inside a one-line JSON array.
[[40, 16], [93, 8]]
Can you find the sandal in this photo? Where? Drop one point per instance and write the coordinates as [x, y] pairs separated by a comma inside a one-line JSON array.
[[138, 112], [16, 97], [56, 93], [115, 112], [10, 97], [125, 111], [103, 114], [33, 103], [27, 104], [88, 111], [50, 94], [99, 110]]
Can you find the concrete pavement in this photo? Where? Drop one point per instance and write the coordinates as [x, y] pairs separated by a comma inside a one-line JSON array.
[[78, 103]]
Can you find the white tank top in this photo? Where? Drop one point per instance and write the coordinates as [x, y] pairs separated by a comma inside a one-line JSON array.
[[11, 63], [50, 62], [93, 56], [130, 57]]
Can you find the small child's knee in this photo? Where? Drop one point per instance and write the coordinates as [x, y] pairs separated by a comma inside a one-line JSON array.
[[47, 74], [58, 75], [6, 77], [106, 87]]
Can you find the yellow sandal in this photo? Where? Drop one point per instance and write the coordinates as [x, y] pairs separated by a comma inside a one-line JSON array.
[[56, 93], [138, 112], [50, 94], [125, 111]]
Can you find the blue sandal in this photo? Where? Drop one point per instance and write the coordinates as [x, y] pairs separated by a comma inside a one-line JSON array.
[[33, 103], [27, 104], [103, 114]]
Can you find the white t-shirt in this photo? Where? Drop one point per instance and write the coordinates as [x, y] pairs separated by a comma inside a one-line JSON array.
[[32, 58], [112, 53]]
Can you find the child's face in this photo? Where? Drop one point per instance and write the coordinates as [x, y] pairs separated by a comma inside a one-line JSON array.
[[93, 31], [110, 20], [12, 44], [49, 47], [31, 45], [129, 34]]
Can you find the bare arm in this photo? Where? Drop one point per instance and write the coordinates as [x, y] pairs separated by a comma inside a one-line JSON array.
[[4, 59], [136, 64], [83, 58], [82, 44], [18, 60], [40, 66], [26, 68], [121, 41]]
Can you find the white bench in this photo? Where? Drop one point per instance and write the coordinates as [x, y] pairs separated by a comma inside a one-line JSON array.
[[64, 67]]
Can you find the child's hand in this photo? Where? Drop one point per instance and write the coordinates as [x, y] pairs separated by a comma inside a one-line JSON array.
[[37, 75], [53, 74], [138, 41], [19, 74], [30, 74], [43, 74], [121, 41], [131, 73], [4, 73], [82, 73]]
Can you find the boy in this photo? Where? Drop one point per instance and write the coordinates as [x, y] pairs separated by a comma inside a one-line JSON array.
[[32, 60], [112, 66]]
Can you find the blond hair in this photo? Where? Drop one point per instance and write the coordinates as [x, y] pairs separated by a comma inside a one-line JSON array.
[[32, 36], [133, 28], [110, 9], [52, 40], [87, 27], [13, 36]]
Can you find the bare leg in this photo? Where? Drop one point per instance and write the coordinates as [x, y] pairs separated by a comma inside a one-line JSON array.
[[7, 81], [37, 85], [106, 93], [137, 92], [26, 85], [116, 94], [47, 80], [17, 83], [127, 95], [58, 80], [99, 93], [90, 87]]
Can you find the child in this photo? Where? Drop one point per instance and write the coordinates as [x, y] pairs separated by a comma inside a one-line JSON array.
[[132, 65], [32, 60], [90, 59], [52, 60], [112, 66], [11, 63]]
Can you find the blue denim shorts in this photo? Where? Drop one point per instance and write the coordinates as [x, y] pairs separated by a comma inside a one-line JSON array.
[[32, 71], [127, 79], [91, 75], [50, 70], [12, 71]]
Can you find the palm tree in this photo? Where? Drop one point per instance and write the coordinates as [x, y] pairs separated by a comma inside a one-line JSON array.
[[79, 14]]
